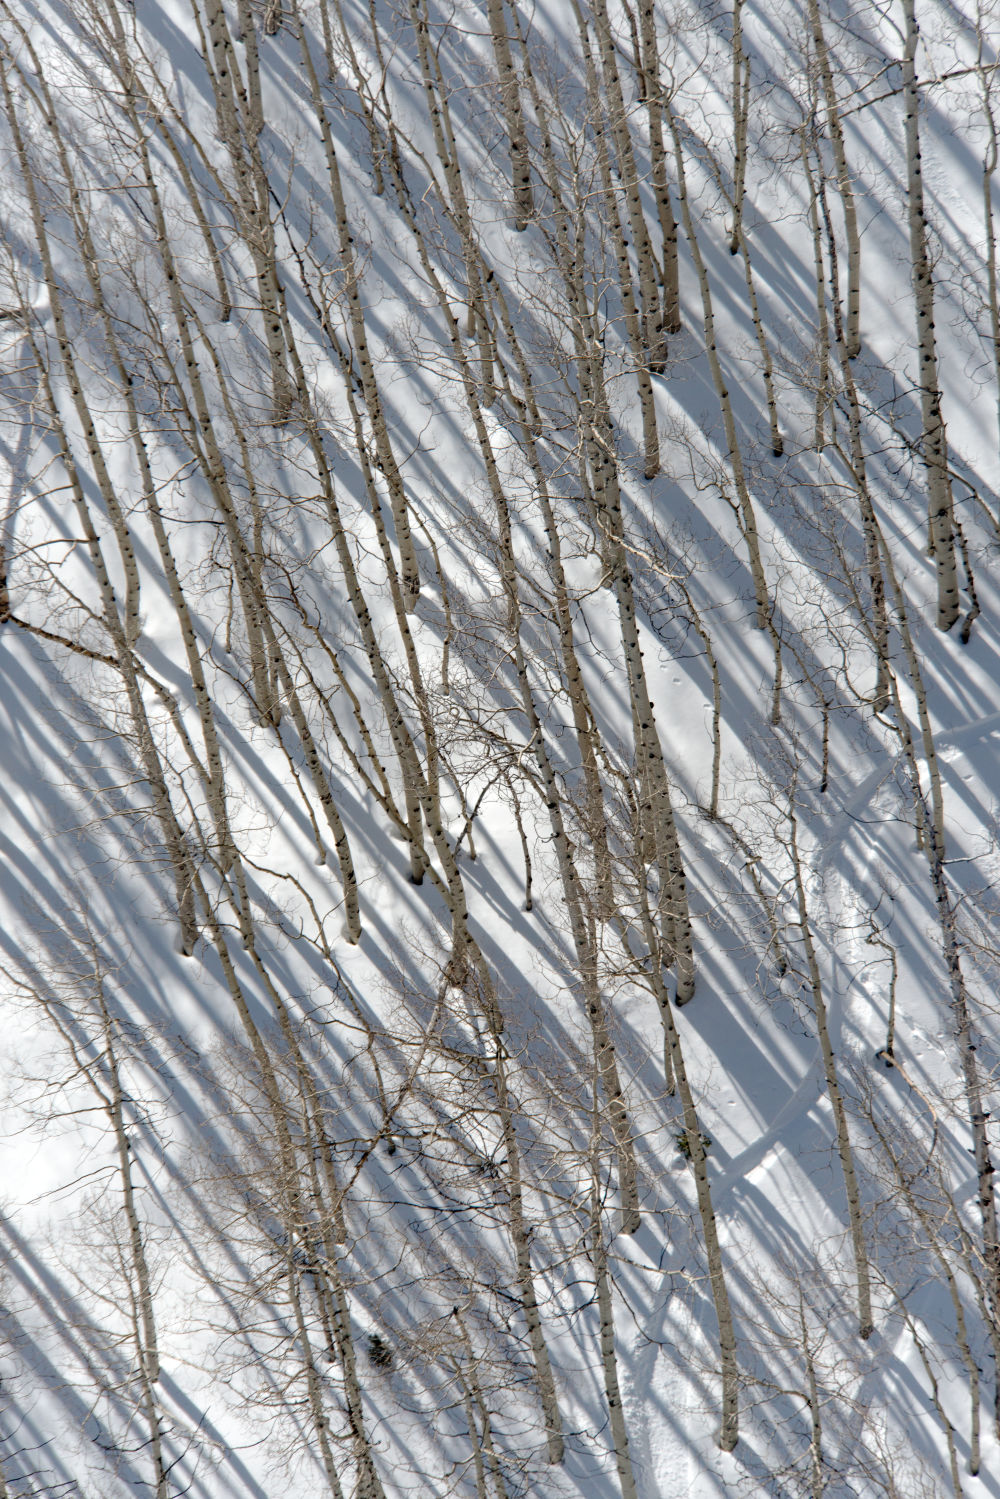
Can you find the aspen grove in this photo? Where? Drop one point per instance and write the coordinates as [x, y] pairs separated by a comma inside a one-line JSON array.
[[501, 743]]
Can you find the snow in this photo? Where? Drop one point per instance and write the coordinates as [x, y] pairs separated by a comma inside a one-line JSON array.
[[321, 1131]]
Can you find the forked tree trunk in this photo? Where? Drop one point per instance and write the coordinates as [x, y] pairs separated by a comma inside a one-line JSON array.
[[844, 184]]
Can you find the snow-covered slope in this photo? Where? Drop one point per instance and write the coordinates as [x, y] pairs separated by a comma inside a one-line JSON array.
[[499, 734]]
